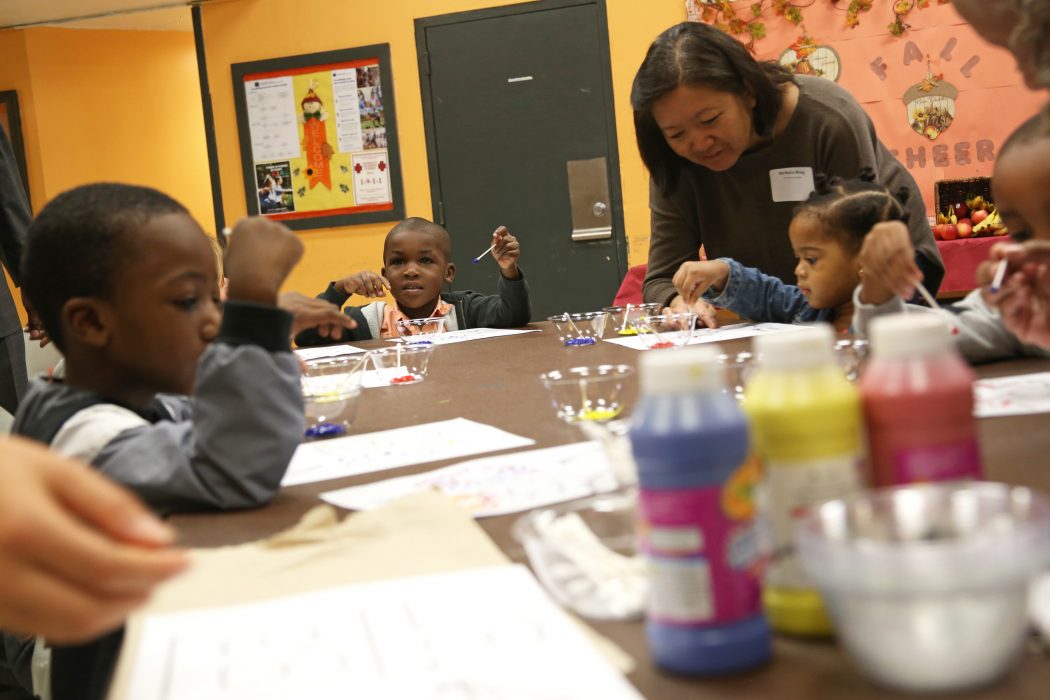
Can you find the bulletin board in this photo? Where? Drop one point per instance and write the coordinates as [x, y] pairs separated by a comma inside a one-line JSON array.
[[318, 138]]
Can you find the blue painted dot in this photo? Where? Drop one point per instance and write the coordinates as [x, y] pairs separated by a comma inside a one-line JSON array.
[[580, 341], [325, 430]]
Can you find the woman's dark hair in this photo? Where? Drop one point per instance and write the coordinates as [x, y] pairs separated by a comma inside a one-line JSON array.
[[697, 54], [850, 208]]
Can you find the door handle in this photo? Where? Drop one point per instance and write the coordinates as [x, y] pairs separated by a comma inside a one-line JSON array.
[[588, 197]]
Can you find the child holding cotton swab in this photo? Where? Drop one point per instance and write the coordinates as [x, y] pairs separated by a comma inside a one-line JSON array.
[[1021, 186], [417, 263]]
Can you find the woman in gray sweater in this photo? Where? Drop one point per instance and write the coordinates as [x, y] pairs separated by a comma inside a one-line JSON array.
[[732, 145]]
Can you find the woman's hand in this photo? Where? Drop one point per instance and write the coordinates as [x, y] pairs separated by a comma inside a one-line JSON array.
[[705, 313]]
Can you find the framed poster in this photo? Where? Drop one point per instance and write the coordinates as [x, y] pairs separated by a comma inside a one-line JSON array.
[[11, 122], [318, 137]]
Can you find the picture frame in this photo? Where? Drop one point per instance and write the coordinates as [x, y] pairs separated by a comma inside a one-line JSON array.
[[11, 121], [318, 138]]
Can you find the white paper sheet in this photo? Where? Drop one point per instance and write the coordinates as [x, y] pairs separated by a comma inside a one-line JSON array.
[[471, 334], [400, 447], [497, 485], [481, 633], [1019, 395], [272, 120], [328, 351], [714, 335]]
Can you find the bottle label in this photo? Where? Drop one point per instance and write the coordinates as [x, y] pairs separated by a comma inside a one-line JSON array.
[[702, 550], [956, 460], [786, 491]]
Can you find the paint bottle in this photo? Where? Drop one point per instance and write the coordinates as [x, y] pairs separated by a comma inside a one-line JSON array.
[[918, 401], [806, 430], [696, 517]]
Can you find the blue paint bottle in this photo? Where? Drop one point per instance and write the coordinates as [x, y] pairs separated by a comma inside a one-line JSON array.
[[696, 518]]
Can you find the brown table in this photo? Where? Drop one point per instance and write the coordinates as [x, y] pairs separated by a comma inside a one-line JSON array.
[[495, 381]]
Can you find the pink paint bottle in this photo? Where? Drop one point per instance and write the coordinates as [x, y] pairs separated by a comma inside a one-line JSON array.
[[917, 394]]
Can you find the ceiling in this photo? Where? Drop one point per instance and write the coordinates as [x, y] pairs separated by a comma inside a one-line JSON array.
[[152, 15]]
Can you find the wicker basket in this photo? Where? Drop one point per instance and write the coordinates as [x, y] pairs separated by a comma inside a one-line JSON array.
[[946, 193]]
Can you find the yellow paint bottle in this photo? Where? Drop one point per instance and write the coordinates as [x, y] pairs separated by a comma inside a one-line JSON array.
[[806, 429]]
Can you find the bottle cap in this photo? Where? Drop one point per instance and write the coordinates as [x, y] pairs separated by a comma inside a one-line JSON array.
[[919, 334], [681, 371], [808, 346]]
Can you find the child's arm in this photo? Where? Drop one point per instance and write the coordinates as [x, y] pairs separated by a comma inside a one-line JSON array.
[[753, 295], [506, 250], [312, 314], [228, 445]]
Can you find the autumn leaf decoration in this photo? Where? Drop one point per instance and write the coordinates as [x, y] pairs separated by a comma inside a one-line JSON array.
[[748, 25]]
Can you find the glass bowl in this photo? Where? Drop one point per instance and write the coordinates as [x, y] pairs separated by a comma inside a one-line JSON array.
[[738, 370], [590, 393], [666, 331], [586, 554], [331, 390], [576, 330], [415, 331], [851, 356], [621, 318], [403, 364], [928, 583]]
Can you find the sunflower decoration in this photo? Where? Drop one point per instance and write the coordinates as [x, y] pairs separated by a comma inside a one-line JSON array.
[[931, 104]]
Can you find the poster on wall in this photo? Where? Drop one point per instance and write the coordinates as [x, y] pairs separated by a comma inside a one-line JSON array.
[[318, 138]]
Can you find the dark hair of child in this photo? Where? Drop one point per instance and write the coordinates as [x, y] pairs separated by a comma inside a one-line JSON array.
[[698, 55], [81, 242], [850, 208], [1034, 128], [416, 223]]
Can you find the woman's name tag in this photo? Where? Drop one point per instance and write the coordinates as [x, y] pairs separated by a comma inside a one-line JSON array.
[[791, 184]]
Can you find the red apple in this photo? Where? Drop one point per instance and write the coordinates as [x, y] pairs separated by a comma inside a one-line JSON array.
[[965, 229], [960, 210], [937, 236], [949, 232], [979, 216]]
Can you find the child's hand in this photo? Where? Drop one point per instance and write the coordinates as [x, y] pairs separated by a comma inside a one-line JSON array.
[[507, 250], [1024, 296], [696, 277], [366, 283], [260, 256], [309, 312], [887, 262]]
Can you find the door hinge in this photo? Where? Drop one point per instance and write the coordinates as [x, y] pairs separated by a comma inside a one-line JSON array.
[[426, 61], [441, 213]]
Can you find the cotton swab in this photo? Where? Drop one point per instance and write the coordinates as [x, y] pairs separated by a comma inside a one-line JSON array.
[[927, 297], [226, 231], [1000, 273], [487, 251], [626, 315]]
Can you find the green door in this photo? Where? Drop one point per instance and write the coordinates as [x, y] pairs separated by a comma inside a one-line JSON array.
[[518, 108]]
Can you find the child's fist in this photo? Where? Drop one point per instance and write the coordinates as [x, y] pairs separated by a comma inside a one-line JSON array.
[[261, 253], [506, 250], [366, 283]]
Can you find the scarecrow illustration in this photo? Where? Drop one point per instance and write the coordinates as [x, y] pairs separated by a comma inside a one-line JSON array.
[[315, 140]]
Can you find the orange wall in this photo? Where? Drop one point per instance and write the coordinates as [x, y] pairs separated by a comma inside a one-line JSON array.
[[248, 30], [109, 105]]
